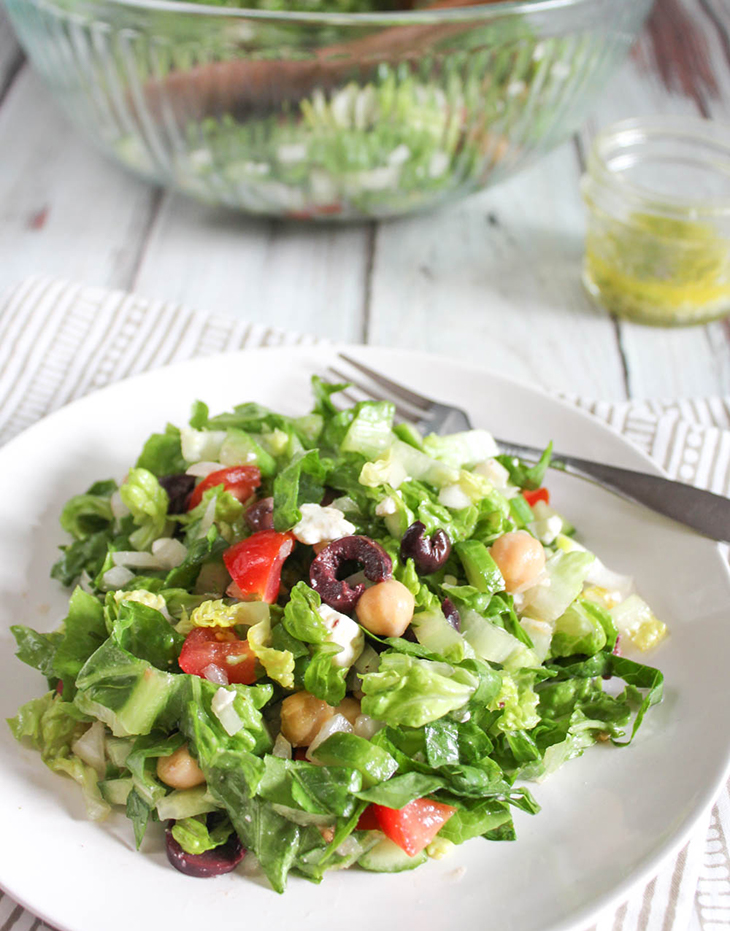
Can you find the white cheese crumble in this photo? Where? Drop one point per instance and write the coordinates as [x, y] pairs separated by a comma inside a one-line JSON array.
[[547, 529], [345, 633], [496, 473], [321, 524], [386, 507], [222, 707]]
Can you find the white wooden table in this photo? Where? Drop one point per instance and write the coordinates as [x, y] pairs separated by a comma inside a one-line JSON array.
[[494, 279]]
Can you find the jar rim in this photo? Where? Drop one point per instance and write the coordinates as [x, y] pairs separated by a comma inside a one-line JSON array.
[[620, 137]]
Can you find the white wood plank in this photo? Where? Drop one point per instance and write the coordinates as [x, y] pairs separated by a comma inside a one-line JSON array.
[[690, 361], [64, 209], [495, 280], [306, 278]]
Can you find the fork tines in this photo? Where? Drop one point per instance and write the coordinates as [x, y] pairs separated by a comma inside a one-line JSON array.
[[367, 392]]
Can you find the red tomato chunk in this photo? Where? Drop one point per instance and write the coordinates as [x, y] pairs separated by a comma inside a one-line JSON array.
[[255, 563], [414, 826], [211, 646], [241, 481], [532, 497]]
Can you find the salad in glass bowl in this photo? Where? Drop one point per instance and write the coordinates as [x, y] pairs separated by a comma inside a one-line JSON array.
[[328, 642], [326, 109]]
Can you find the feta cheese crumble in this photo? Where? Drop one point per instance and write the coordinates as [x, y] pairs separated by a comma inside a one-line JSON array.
[[321, 524], [345, 633], [386, 507]]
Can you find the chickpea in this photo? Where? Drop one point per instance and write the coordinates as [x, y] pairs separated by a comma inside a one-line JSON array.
[[180, 770], [386, 609], [302, 716], [521, 559]]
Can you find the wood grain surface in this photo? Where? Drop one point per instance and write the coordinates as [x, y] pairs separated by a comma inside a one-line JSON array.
[[494, 279]]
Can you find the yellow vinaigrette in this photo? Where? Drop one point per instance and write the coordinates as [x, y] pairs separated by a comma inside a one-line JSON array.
[[657, 269]]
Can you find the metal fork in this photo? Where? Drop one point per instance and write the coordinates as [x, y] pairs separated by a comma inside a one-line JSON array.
[[703, 511]]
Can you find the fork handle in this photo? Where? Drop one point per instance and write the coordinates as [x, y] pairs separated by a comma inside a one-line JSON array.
[[701, 510]]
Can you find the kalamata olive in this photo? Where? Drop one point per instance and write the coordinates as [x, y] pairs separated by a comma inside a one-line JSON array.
[[428, 553], [376, 565], [213, 862], [260, 516], [179, 487], [451, 613]]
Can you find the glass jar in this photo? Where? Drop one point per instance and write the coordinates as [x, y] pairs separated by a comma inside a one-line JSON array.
[[658, 239]]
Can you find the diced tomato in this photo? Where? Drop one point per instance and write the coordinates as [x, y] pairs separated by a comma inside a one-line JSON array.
[[241, 481], [532, 497], [255, 563], [211, 646], [368, 820], [414, 826]]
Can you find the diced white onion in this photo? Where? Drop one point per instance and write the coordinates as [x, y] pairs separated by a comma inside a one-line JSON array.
[[233, 591], [282, 748], [336, 724], [203, 469], [367, 727], [90, 748], [119, 508], [134, 560], [208, 517], [85, 582], [171, 553], [453, 496], [214, 673], [222, 707], [115, 578]]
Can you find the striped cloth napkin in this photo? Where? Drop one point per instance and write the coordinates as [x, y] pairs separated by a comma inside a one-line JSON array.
[[59, 341]]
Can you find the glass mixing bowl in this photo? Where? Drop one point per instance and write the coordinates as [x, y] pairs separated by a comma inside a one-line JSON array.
[[313, 115]]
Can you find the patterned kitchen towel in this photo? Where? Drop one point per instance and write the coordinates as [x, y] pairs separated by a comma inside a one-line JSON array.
[[60, 341]]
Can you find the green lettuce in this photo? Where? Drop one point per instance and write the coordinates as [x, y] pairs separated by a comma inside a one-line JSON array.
[[162, 453], [299, 482], [51, 726], [147, 501], [411, 691]]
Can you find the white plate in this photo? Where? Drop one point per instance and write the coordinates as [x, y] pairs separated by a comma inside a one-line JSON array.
[[608, 818]]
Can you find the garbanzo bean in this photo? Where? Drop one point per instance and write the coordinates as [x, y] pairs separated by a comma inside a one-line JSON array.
[[521, 559], [302, 716], [180, 770], [386, 609]]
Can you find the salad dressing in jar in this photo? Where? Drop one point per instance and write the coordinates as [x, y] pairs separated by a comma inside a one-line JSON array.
[[658, 239]]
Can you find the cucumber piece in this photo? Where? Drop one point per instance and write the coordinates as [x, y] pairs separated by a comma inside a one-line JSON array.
[[387, 857], [115, 791], [185, 803]]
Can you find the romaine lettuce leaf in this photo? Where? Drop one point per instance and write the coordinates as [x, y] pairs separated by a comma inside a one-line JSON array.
[[411, 691], [147, 501], [162, 453], [299, 482], [52, 725]]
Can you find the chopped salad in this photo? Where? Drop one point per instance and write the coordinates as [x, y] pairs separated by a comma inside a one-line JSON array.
[[328, 641]]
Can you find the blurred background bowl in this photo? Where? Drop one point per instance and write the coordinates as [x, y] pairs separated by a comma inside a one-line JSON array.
[[337, 116]]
